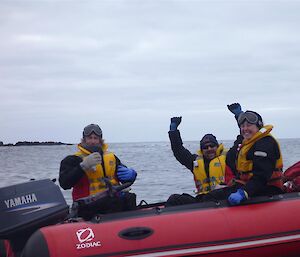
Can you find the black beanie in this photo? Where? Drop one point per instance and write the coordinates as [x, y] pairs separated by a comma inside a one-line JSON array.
[[208, 138]]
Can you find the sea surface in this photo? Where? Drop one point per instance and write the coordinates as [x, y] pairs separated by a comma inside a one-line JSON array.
[[159, 173]]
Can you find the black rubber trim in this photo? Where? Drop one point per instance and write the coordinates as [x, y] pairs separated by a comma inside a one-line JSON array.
[[159, 209], [136, 233], [36, 246], [2, 249]]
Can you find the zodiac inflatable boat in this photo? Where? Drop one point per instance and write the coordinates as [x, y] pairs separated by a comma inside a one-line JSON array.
[[265, 226]]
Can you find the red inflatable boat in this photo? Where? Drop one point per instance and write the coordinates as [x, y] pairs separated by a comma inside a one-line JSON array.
[[265, 226]]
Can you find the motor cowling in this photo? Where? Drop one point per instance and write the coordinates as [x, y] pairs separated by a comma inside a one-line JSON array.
[[28, 206]]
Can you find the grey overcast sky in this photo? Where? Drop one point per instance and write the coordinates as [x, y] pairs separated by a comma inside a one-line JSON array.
[[131, 65]]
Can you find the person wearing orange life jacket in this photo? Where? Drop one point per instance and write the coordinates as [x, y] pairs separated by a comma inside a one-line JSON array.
[[85, 171], [258, 162], [207, 165]]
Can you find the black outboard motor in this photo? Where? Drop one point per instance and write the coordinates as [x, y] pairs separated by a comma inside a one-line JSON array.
[[26, 207]]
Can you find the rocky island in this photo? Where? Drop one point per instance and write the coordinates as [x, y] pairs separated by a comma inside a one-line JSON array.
[[27, 143]]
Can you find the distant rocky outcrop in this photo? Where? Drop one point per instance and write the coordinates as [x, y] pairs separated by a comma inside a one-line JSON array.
[[22, 143]]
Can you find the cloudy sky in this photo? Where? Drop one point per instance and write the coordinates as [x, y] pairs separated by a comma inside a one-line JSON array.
[[131, 65]]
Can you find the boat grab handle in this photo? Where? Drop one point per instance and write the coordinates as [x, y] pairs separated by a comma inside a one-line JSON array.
[[135, 233]]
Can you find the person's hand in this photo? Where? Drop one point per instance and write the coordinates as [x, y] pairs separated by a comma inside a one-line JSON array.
[[237, 197], [91, 161], [175, 121], [235, 108], [125, 174]]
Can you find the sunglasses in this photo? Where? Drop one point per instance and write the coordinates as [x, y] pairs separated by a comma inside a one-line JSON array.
[[250, 117], [92, 128], [205, 147]]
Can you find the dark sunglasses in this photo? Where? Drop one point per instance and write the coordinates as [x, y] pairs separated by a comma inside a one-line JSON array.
[[207, 146]]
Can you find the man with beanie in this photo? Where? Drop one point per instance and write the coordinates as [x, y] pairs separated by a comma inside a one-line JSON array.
[[207, 165], [88, 170]]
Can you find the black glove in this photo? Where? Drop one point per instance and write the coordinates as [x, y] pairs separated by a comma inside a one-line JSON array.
[[175, 121], [235, 108]]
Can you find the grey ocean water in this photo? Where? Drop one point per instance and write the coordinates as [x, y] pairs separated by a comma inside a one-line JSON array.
[[159, 173]]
